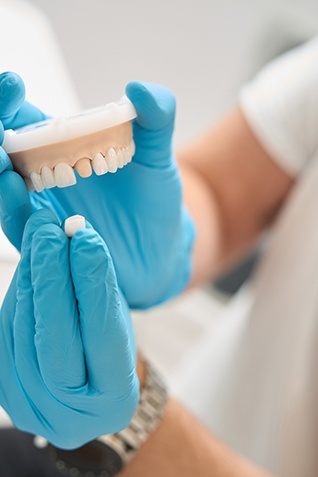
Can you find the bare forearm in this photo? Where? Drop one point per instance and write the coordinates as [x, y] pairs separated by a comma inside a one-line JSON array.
[[181, 446], [233, 190]]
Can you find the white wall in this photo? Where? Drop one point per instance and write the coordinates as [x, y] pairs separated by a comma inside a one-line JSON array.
[[202, 49]]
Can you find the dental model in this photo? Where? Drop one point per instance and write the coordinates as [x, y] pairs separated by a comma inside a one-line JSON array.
[[46, 153]]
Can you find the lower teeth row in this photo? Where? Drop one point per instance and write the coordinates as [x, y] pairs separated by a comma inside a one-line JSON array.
[[63, 174]]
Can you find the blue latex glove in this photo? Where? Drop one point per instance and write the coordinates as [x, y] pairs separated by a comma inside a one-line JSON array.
[[138, 211], [15, 207], [67, 348]]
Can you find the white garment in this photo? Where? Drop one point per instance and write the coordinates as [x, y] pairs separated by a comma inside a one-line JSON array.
[[281, 105], [254, 379]]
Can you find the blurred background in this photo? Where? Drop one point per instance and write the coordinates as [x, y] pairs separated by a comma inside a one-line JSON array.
[[203, 50]]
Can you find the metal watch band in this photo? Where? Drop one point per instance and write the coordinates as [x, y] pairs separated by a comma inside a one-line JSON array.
[[148, 414], [122, 445]]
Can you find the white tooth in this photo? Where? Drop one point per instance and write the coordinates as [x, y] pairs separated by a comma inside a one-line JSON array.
[[36, 181], [132, 148], [73, 224], [29, 184], [111, 159], [99, 164], [120, 158], [127, 156], [64, 175], [47, 176]]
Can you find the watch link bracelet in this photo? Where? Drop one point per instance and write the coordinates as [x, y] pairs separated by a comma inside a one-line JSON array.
[[107, 455]]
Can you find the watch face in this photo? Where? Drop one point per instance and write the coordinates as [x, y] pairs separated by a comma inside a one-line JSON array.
[[94, 460]]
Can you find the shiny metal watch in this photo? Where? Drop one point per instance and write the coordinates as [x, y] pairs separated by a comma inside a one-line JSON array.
[[107, 455]]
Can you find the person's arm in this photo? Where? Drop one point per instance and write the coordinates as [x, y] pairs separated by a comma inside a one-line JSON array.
[[182, 447], [233, 190], [238, 174]]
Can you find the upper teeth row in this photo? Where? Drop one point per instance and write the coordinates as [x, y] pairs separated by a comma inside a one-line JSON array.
[[63, 174]]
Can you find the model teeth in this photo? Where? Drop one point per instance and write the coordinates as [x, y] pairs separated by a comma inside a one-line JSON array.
[[36, 181], [64, 175], [132, 148], [111, 159], [29, 184], [83, 167], [127, 155], [47, 176], [99, 164], [120, 158]]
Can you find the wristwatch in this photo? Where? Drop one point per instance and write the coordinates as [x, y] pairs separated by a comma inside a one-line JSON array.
[[107, 455]]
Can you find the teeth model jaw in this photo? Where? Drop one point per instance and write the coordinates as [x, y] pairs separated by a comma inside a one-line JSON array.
[[62, 174], [50, 152]]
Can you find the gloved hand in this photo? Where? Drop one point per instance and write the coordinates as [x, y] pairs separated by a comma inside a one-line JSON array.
[[67, 347], [15, 207], [138, 211]]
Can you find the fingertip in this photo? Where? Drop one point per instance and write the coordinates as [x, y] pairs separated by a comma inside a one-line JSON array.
[[49, 254], [134, 88], [10, 78], [12, 93], [155, 104], [43, 216], [50, 234], [35, 221]]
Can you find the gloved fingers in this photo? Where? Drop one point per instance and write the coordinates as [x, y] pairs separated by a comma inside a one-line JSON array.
[[154, 103], [153, 128], [12, 95], [5, 163], [106, 342], [15, 112], [15, 206], [27, 114], [57, 333], [1, 133], [36, 220], [24, 324]]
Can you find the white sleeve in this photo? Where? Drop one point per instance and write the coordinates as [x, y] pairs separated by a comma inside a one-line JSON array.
[[281, 107]]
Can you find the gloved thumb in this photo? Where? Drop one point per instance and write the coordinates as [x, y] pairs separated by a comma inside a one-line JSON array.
[[15, 207], [15, 112], [153, 127], [155, 104], [12, 95]]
